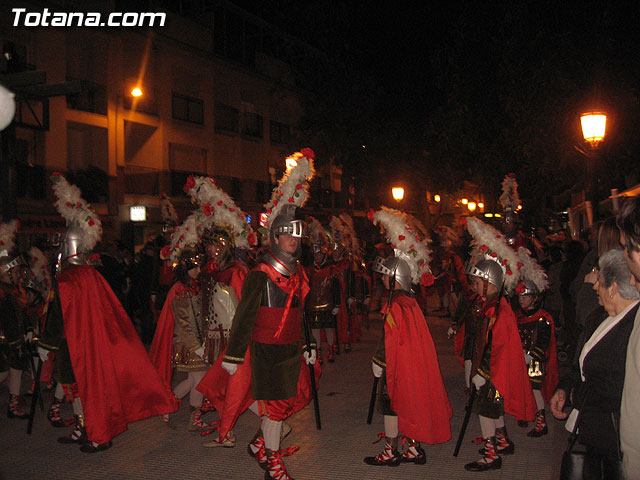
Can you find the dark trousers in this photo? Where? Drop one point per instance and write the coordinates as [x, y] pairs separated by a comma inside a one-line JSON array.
[[601, 467]]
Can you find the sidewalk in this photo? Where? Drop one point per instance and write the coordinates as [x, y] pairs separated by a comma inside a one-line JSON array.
[[151, 449]]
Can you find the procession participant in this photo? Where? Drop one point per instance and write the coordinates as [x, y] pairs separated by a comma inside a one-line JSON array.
[[324, 290], [498, 370], [179, 341], [510, 201], [411, 395], [342, 256], [221, 280], [537, 332], [13, 359], [100, 359], [264, 354]]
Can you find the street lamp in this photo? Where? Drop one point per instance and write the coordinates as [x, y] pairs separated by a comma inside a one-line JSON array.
[[136, 92], [464, 201], [436, 198], [593, 127], [398, 193], [471, 206]]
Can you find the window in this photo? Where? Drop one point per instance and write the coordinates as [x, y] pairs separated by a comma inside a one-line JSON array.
[[187, 109], [227, 119], [279, 133], [252, 125]]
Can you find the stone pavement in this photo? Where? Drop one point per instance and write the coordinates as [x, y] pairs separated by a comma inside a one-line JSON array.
[[151, 449]]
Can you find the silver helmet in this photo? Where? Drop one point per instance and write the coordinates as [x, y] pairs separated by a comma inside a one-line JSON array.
[[285, 224], [488, 270], [529, 288], [396, 268], [73, 246]]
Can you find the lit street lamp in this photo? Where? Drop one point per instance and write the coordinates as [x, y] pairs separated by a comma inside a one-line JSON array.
[[398, 193], [471, 206], [593, 127], [136, 92], [436, 198]]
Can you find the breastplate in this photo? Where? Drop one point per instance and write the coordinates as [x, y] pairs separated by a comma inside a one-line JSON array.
[[274, 296], [320, 295], [528, 334]]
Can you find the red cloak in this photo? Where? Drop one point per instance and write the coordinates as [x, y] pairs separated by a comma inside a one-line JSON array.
[[508, 369], [116, 380], [233, 276], [414, 380], [162, 344]]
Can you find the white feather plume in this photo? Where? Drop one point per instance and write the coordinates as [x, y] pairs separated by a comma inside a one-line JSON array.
[[293, 187], [7, 237], [317, 233], [489, 244], [187, 235], [532, 270], [40, 268], [221, 209], [509, 198], [76, 211], [410, 245]]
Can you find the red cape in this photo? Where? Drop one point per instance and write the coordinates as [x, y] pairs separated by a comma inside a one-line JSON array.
[[162, 344], [233, 276], [414, 380], [508, 369], [551, 376], [116, 380]]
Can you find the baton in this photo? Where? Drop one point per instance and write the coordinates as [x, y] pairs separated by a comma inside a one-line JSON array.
[[372, 402], [34, 399], [465, 422], [307, 337]]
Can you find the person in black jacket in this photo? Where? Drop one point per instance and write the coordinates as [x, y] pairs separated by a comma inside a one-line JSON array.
[[596, 381]]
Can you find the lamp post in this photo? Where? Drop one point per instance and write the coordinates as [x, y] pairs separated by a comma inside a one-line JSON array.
[[594, 126]]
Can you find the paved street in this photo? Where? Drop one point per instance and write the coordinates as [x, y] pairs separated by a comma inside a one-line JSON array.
[[151, 449]]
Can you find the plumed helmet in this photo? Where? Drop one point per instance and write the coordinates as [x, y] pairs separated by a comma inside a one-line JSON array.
[[73, 246], [530, 288], [285, 224], [488, 270], [394, 267]]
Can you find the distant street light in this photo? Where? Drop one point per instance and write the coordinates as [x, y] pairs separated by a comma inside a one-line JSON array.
[[480, 205], [464, 201], [471, 206], [436, 198], [398, 193], [136, 92], [593, 127]]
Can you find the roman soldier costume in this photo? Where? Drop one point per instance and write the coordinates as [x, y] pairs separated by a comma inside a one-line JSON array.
[[537, 332], [498, 369], [13, 320], [411, 395], [324, 290], [100, 359], [265, 352]]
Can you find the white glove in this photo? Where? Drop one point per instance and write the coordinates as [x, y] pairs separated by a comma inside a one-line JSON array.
[[335, 311], [43, 353], [231, 368], [478, 381], [310, 358], [527, 358], [377, 369], [199, 351], [350, 300], [451, 332], [28, 336]]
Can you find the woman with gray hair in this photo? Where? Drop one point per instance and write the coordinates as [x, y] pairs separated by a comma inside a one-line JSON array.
[[596, 381]]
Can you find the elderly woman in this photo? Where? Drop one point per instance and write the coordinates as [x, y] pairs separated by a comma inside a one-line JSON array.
[[595, 384]]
